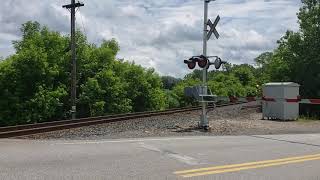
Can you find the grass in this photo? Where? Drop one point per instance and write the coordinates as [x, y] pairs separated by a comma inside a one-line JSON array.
[[305, 119]]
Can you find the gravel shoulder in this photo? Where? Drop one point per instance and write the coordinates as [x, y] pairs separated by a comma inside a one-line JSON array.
[[231, 120]]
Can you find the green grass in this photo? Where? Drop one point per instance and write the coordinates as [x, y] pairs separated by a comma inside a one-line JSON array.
[[306, 119]]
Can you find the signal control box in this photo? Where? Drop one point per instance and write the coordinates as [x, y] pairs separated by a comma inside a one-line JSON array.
[[277, 104]]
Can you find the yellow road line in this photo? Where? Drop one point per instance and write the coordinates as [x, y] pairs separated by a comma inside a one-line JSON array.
[[245, 164], [249, 167]]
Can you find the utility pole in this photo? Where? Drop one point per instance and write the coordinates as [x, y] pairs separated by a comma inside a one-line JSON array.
[[72, 7]]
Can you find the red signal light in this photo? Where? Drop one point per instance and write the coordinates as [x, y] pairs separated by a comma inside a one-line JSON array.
[[202, 61], [191, 65]]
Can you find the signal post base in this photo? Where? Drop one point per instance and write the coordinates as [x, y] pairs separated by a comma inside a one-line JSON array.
[[204, 123]]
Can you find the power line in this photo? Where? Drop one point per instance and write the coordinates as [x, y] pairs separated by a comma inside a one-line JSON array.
[[81, 19]]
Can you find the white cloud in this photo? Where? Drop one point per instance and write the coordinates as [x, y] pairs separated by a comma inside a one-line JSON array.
[[160, 34]]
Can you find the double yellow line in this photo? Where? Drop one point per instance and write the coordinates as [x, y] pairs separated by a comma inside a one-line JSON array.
[[245, 166]]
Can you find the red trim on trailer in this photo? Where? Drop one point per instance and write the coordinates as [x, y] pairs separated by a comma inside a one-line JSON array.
[[314, 101], [293, 100], [268, 99], [299, 98]]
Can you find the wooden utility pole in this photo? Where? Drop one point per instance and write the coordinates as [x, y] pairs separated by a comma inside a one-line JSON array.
[[72, 7]]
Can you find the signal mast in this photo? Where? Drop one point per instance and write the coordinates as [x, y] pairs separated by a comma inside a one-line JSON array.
[[204, 62]]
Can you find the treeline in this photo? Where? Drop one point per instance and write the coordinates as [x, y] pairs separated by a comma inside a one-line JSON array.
[[35, 81]]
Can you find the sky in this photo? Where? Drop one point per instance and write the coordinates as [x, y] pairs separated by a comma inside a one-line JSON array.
[[161, 33]]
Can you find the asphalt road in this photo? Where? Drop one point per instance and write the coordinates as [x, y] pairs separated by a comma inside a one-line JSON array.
[[229, 157]]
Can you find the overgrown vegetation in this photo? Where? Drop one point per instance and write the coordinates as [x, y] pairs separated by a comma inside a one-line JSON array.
[[35, 81]]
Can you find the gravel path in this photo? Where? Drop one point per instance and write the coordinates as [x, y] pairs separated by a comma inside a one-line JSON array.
[[231, 120]]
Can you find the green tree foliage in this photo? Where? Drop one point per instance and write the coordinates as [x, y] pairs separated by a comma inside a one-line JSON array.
[[245, 74], [29, 80], [263, 71], [172, 99], [226, 85], [35, 81], [45, 104], [178, 91], [233, 80], [169, 82], [297, 57], [196, 74], [263, 59]]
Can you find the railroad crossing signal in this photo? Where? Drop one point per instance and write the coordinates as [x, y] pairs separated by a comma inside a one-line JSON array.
[[204, 62], [213, 28], [201, 60]]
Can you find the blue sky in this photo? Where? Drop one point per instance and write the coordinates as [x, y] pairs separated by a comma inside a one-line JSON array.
[[161, 33]]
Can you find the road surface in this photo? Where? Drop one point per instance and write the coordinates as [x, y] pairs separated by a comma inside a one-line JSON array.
[[225, 157]]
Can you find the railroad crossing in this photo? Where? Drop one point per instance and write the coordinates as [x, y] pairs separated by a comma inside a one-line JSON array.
[[167, 144]]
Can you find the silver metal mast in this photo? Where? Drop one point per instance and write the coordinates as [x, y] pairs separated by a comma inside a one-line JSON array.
[[204, 119]]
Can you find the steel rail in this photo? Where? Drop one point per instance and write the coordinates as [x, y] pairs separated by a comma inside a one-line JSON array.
[[29, 129]]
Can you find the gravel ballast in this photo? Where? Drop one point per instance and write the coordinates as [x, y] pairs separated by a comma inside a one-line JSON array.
[[230, 120]]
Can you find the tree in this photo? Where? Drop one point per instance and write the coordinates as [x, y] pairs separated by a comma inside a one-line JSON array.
[[196, 74], [172, 99], [111, 44], [35, 82], [308, 40], [178, 91], [297, 58], [264, 59], [245, 74], [226, 85], [45, 105], [91, 96], [144, 88], [30, 78], [169, 82]]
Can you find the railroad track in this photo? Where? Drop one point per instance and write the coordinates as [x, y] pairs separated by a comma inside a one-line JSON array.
[[23, 130]]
